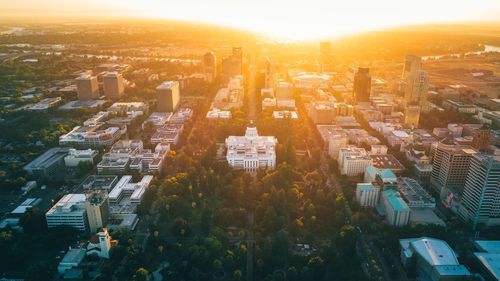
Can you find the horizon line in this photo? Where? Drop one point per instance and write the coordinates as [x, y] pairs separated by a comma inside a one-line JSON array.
[[13, 18]]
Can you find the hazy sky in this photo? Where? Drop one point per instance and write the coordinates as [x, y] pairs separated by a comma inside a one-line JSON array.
[[295, 19]]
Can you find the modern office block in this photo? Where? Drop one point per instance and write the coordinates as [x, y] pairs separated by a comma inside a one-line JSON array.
[[450, 165], [397, 212], [367, 194], [68, 211], [481, 195], [362, 85], [168, 96], [113, 85], [49, 163], [87, 87]]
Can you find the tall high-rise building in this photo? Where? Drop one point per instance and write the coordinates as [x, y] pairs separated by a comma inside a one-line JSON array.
[[362, 85], [232, 65], [481, 196], [412, 63], [238, 53], [482, 138], [113, 85], [97, 207], [450, 165], [167, 96], [412, 115], [210, 65], [417, 85], [271, 75], [87, 87]]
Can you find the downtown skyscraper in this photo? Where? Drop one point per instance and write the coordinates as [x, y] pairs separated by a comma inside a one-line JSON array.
[[481, 195]]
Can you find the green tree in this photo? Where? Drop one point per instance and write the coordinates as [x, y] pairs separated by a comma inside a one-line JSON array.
[[40, 272], [140, 275], [237, 275], [33, 222], [317, 266]]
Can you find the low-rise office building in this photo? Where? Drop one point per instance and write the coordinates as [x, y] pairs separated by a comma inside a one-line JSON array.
[[169, 133], [120, 107], [414, 194], [352, 161], [217, 114], [72, 259], [397, 212], [181, 115], [92, 136], [157, 119], [76, 157], [130, 154], [367, 194], [68, 211], [285, 114], [126, 195], [49, 163], [387, 179], [43, 105], [99, 182], [459, 106]]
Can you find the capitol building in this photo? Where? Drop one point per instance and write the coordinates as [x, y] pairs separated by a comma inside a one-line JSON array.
[[251, 151]]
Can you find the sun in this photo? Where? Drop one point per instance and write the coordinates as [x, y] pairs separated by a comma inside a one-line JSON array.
[[282, 19]]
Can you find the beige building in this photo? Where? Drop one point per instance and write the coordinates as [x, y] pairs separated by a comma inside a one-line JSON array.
[[97, 207], [168, 96], [87, 87], [336, 141], [412, 116], [113, 85]]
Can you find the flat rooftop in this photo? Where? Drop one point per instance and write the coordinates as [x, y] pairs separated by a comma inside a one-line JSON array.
[[490, 246], [365, 186], [396, 201], [425, 216], [48, 158], [490, 262], [78, 104], [167, 85], [413, 191], [99, 182], [75, 255], [387, 161]]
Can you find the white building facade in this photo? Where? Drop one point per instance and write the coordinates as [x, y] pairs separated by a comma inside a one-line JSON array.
[[251, 151], [69, 211], [352, 161], [397, 211], [75, 157], [367, 194]]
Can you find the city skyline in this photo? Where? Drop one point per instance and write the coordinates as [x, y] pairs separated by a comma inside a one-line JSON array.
[[248, 140], [279, 19]]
